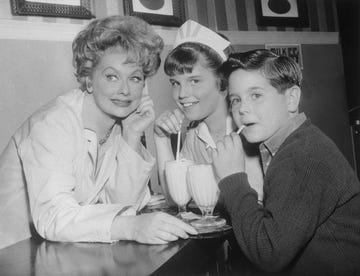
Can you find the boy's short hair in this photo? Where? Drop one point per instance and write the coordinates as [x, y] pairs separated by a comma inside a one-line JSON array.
[[281, 71]]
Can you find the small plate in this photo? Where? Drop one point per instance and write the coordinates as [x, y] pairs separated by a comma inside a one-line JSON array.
[[212, 232], [208, 222]]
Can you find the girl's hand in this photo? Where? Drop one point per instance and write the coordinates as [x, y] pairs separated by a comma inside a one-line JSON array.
[[136, 123], [168, 123], [228, 157], [159, 228]]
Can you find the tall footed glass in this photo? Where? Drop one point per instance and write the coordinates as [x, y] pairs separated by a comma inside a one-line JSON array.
[[175, 173], [205, 192]]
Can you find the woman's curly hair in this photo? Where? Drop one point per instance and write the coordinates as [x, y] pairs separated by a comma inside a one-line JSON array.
[[133, 35]]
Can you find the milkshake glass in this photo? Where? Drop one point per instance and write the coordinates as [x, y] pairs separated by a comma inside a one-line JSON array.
[[205, 192], [175, 173]]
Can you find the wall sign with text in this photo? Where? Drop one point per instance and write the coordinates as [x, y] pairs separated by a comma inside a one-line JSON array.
[[289, 50]]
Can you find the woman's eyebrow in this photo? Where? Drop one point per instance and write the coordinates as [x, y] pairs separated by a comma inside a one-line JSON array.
[[136, 70]]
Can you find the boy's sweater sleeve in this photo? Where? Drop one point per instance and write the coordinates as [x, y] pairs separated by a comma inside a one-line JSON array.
[[296, 203]]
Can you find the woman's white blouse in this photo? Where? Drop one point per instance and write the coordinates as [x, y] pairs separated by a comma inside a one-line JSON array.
[[50, 166]]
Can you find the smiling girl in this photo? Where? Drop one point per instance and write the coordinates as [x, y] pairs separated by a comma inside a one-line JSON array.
[[201, 96]]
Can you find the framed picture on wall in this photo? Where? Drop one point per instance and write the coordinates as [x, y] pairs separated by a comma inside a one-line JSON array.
[[157, 12], [80, 9], [284, 13]]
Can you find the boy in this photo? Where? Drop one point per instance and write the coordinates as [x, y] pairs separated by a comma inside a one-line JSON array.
[[310, 219]]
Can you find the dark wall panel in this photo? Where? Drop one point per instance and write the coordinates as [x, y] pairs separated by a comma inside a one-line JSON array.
[[324, 94]]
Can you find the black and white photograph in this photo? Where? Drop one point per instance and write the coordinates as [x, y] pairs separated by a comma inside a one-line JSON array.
[[180, 137]]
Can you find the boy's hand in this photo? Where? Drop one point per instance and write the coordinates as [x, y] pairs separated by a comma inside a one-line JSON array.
[[228, 157], [168, 123]]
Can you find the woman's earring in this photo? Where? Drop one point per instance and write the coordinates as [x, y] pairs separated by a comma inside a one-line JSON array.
[[89, 87]]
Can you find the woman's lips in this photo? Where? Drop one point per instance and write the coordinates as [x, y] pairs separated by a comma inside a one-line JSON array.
[[121, 103]]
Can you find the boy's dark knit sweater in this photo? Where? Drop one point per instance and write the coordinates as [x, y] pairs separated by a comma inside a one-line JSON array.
[[310, 218]]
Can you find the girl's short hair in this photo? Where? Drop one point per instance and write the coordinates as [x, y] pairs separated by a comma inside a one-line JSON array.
[[281, 71], [133, 35], [183, 58]]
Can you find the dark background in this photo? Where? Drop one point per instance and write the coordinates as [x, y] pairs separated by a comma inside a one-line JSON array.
[[349, 29]]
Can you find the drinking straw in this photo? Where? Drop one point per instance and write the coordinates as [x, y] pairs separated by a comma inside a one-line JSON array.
[[178, 145], [240, 129]]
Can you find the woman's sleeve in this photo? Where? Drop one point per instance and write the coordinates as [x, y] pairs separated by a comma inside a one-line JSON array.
[[48, 157]]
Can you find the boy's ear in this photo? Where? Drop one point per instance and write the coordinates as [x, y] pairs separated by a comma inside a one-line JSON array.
[[293, 95]]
